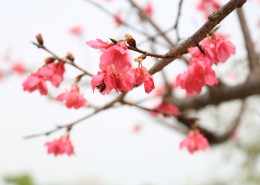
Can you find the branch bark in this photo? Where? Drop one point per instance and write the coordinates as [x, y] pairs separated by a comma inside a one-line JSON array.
[[213, 20]]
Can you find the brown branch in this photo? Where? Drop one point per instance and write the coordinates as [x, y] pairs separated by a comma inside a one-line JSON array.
[[176, 25], [67, 61], [213, 20], [252, 56], [156, 27], [215, 138], [146, 53], [219, 94], [70, 125], [106, 11]]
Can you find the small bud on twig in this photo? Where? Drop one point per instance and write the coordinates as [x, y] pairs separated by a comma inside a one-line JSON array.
[[39, 38], [49, 60], [130, 40], [70, 56]]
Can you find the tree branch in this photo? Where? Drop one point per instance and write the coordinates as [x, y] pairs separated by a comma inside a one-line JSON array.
[[252, 56], [213, 20]]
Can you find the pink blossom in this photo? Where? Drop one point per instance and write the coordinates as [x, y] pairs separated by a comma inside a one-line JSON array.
[[143, 76], [148, 9], [198, 74], [76, 30], [19, 68], [108, 79], [117, 56], [217, 49], [118, 20], [99, 44], [208, 6], [195, 141], [53, 72], [73, 98], [115, 70], [34, 82], [224, 49], [166, 108], [60, 146]]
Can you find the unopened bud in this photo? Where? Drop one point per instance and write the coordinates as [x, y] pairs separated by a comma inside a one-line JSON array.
[[39, 38], [70, 56], [49, 60], [130, 40]]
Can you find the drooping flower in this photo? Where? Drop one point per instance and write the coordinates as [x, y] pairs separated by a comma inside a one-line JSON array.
[[166, 108], [60, 146], [34, 82], [143, 76], [194, 142], [72, 98], [198, 74]]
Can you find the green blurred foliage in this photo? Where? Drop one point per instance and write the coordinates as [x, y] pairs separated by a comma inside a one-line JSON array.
[[23, 179]]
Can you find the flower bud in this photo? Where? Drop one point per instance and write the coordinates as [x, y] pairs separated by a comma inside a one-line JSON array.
[[130, 40], [49, 60], [70, 56], [39, 38]]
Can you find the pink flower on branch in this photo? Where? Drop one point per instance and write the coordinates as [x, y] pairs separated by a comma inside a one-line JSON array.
[[143, 76], [53, 72], [34, 82], [115, 69], [194, 142], [73, 98], [60, 146], [199, 73], [217, 48]]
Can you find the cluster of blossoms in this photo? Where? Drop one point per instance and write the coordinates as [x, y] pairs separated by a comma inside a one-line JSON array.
[[116, 70], [53, 72], [214, 49], [208, 6], [60, 146], [195, 141]]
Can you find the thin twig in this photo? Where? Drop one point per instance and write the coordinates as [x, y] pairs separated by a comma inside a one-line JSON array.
[[176, 25], [67, 61], [252, 56], [105, 107]]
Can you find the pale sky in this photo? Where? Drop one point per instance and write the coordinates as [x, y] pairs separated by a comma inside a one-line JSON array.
[[105, 146]]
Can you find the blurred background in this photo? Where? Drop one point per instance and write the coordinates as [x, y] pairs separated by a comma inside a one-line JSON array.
[[123, 146]]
